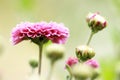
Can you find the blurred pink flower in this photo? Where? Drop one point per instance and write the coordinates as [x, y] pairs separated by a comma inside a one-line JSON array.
[[71, 61], [92, 63], [53, 31]]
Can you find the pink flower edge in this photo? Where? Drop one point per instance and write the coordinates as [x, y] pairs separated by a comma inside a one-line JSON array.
[[71, 61], [92, 63], [53, 31]]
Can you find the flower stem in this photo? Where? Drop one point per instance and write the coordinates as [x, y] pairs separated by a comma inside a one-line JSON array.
[[69, 77], [40, 58], [33, 70], [90, 37], [51, 70], [70, 72]]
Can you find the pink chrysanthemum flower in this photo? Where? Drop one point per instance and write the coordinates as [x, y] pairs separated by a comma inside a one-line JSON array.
[[41, 31], [71, 61], [92, 63]]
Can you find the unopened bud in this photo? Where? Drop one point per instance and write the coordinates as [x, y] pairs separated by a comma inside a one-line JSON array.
[[84, 52], [96, 22], [33, 63], [55, 51], [94, 64], [82, 71]]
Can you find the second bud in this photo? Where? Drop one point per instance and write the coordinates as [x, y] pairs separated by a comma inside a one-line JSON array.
[[84, 53]]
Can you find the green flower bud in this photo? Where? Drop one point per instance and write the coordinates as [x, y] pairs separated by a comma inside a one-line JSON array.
[[55, 52], [96, 22], [33, 63], [82, 71], [84, 52]]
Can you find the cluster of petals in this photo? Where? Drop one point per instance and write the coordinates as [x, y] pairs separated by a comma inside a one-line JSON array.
[[92, 63], [53, 31], [71, 61]]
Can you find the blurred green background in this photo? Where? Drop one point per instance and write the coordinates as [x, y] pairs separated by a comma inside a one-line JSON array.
[[106, 43]]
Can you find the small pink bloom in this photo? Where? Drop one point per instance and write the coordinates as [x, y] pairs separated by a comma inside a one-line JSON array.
[[71, 61], [92, 63], [53, 31]]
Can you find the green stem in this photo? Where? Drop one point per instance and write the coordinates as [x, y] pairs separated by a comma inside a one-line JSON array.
[[69, 77], [40, 58], [33, 70], [51, 70], [70, 72], [91, 35]]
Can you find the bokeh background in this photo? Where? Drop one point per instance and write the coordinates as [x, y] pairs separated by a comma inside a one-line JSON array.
[[14, 59]]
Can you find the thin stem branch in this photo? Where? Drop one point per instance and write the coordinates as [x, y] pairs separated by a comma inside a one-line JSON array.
[[90, 37], [51, 70], [32, 71], [70, 76], [40, 58]]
